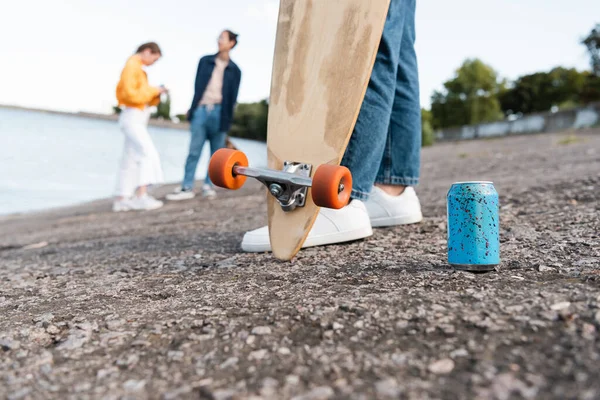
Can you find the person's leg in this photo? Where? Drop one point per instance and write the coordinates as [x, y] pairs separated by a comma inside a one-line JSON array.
[[364, 152], [367, 143], [393, 201], [401, 159], [128, 171], [128, 168], [143, 160], [197, 140], [151, 172], [215, 136]]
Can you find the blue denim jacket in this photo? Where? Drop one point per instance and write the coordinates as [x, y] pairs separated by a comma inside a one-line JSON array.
[[231, 85]]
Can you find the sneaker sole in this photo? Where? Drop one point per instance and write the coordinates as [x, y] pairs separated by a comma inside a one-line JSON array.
[[399, 220], [340, 237]]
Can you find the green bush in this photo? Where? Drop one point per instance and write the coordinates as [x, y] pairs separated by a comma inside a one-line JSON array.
[[427, 132], [250, 121]]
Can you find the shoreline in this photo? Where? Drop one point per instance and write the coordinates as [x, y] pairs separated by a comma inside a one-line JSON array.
[[159, 123]]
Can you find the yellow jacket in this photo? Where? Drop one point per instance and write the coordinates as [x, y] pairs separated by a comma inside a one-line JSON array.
[[133, 89]]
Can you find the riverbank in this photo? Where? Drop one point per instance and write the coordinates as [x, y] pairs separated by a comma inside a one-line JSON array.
[[164, 305], [161, 123]]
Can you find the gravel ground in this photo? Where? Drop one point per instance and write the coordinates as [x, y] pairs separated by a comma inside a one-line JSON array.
[[163, 304]]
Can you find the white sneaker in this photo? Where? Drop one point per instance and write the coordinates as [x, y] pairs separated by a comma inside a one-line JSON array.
[[145, 203], [332, 226], [387, 210], [122, 205], [181, 194], [208, 192]]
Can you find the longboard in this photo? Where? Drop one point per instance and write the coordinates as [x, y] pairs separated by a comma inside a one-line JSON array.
[[324, 55]]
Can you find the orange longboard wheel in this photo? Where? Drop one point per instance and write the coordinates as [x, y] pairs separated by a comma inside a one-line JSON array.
[[220, 169], [331, 186]]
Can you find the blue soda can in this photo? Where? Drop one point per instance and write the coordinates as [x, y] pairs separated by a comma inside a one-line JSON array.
[[473, 226]]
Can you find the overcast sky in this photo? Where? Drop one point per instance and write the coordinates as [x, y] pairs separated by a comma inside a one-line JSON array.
[[67, 54]]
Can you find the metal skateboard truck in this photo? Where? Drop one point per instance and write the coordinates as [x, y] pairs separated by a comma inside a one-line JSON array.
[[330, 186]]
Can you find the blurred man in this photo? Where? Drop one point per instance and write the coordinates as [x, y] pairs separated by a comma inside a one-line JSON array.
[[210, 115]]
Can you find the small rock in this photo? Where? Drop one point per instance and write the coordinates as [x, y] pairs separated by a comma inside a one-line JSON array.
[[402, 324], [129, 361], [44, 360], [269, 386], [261, 330], [563, 305], [9, 344], [506, 386], [40, 337], [258, 354], [543, 268], [292, 380], [516, 309], [440, 367], [284, 351], [38, 245], [250, 340], [134, 386], [588, 331], [319, 393], [230, 362], [328, 334], [336, 326], [438, 308], [22, 354], [19, 394], [140, 343], [597, 317], [400, 358], [175, 355], [114, 338], [448, 329], [222, 394], [178, 393], [388, 388], [44, 319], [79, 335], [197, 323], [53, 330], [103, 373], [359, 324], [459, 353], [549, 315], [82, 387], [115, 324]]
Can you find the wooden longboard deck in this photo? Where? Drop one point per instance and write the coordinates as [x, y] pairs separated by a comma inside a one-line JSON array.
[[324, 54]]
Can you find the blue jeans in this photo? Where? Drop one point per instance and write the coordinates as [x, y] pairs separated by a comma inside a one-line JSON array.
[[385, 146], [205, 126]]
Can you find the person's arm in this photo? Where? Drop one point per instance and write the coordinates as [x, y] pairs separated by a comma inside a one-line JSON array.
[[137, 90], [197, 95]]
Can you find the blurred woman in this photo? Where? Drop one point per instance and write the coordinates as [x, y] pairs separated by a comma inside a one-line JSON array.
[[140, 165]]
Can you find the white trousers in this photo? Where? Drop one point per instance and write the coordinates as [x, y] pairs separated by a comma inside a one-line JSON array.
[[140, 164]]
